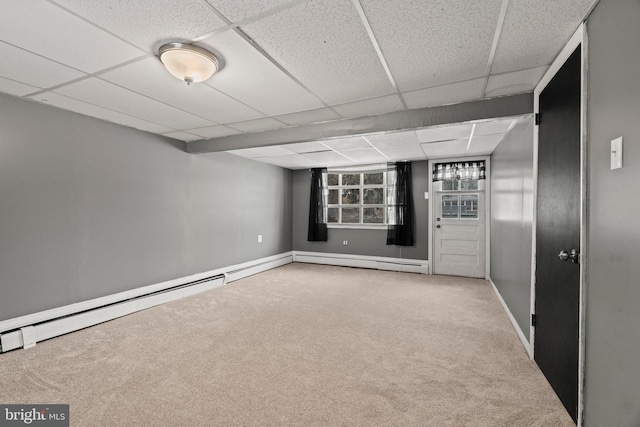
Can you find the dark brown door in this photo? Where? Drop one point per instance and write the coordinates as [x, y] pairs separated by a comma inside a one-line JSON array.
[[557, 291]]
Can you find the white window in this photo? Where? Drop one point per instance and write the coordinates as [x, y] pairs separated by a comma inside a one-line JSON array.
[[357, 198]]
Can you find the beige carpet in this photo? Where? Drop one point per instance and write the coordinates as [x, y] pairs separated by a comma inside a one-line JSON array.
[[301, 345]]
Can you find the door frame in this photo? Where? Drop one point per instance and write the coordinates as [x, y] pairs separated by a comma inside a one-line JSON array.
[[487, 211], [579, 38]]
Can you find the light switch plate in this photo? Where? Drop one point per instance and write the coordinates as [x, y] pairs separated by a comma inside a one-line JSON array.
[[616, 153]]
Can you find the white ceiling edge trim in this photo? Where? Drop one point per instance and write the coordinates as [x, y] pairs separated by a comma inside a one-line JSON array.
[[505, 106]]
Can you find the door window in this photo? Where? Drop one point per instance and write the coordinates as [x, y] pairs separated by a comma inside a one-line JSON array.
[[460, 206], [469, 206], [450, 208]]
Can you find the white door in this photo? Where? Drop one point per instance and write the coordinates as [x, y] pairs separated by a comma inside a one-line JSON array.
[[459, 233]]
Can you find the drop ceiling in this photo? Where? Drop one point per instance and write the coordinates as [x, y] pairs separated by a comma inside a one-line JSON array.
[[471, 139], [285, 63]]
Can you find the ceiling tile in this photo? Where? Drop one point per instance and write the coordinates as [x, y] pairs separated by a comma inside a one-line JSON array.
[[249, 153], [491, 127], [182, 136], [444, 133], [307, 147], [214, 131], [100, 92], [251, 78], [150, 78], [516, 82], [43, 28], [433, 43], [396, 139], [443, 95], [370, 107], [293, 161], [311, 116], [484, 144], [445, 149], [365, 155], [257, 125], [25, 67], [398, 145], [329, 158], [16, 88], [274, 150], [149, 23], [310, 42], [346, 143], [71, 104], [236, 10], [407, 152], [534, 32]]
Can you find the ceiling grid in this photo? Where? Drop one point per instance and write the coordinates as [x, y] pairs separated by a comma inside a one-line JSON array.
[[286, 64]]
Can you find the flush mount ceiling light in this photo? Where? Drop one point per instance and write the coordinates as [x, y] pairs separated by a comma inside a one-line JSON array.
[[189, 63]]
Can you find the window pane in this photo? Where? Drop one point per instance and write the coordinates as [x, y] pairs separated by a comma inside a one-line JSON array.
[[373, 196], [471, 184], [449, 206], [373, 215], [351, 179], [332, 179], [350, 215], [372, 178], [333, 197], [469, 206], [351, 197], [449, 184], [332, 215]]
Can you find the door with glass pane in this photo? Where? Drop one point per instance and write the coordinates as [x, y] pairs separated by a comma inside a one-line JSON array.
[[459, 234]]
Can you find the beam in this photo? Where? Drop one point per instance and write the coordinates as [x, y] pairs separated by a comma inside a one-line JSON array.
[[390, 122]]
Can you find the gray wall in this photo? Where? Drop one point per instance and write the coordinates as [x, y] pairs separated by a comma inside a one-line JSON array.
[[90, 208], [511, 220], [612, 389], [361, 242]]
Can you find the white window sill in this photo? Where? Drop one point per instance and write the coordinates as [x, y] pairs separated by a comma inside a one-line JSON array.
[[359, 226]]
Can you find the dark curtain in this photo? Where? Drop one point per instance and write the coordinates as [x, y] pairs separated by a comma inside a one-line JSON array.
[[401, 229], [317, 222]]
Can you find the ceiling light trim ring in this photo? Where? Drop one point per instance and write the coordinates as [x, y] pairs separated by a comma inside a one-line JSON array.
[[187, 62]]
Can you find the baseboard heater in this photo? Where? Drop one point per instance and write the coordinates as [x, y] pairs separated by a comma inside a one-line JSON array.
[[26, 331], [364, 261], [28, 336], [245, 270]]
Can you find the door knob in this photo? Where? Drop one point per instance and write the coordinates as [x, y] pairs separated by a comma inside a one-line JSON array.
[[438, 226], [573, 256]]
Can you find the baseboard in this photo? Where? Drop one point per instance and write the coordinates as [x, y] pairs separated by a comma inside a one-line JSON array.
[[363, 261], [26, 331], [240, 271], [516, 326]]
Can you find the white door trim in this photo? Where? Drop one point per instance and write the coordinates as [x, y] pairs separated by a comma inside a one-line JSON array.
[[487, 212], [579, 38]]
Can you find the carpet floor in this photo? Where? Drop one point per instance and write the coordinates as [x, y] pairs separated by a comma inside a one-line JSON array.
[[299, 345]]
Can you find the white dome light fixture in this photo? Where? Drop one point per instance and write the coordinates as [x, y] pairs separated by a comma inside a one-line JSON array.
[[187, 62]]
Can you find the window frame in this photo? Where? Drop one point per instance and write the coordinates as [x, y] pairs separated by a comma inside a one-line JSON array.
[[361, 205]]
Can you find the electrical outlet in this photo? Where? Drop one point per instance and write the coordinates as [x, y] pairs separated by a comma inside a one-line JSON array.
[[259, 238], [345, 242]]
